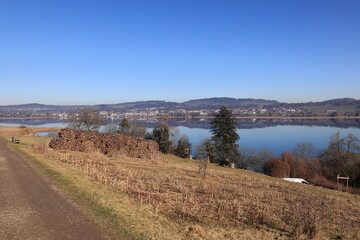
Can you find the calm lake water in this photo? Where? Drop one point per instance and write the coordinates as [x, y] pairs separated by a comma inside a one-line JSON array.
[[277, 135]]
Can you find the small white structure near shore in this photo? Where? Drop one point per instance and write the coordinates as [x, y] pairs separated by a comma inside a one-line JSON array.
[[297, 180]]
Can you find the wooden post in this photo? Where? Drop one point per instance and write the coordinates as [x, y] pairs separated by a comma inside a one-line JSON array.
[[338, 177]]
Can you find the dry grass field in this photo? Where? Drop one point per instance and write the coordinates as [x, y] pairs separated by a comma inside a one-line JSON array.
[[22, 130], [174, 198]]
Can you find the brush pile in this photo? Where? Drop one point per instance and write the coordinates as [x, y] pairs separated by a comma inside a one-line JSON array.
[[83, 141]]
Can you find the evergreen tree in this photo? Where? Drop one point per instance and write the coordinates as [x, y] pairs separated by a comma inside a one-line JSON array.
[[124, 126], [184, 147], [224, 137], [132, 128], [161, 134]]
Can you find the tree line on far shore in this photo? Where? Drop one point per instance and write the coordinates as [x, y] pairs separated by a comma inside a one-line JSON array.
[[342, 156]]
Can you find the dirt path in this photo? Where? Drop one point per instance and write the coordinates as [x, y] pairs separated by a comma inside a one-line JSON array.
[[31, 208]]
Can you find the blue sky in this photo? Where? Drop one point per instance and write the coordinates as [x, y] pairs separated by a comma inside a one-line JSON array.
[[92, 52]]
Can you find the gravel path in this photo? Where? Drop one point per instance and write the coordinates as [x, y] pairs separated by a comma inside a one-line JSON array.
[[31, 208]]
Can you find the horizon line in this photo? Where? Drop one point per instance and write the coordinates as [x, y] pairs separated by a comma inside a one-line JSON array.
[[179, 102]]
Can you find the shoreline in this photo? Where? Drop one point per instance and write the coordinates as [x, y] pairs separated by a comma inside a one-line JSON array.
[[195, 117], [31, 118], [262, 117], [7, 131]]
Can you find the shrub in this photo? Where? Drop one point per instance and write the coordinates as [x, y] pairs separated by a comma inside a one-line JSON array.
[[277, 168]]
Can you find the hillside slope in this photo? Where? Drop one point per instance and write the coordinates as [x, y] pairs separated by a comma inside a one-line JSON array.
[[172, 198]]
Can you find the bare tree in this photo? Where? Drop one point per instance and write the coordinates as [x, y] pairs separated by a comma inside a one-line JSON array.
[[137, 129], [200, 148], [85, 119], [174, 136], [342, 157], [254, 160], [248, 158], [205, 149], [352, 143], [202, 156], [111, 129], [304, 151], [264, 155], [132, 128]]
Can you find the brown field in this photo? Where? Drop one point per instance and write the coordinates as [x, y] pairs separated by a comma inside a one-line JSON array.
[[223, 204], [23, 131]]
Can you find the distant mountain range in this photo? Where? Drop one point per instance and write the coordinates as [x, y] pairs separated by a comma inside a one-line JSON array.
[[343, 104]]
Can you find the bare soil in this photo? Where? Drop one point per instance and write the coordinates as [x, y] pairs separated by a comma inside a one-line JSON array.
[[31, 208]]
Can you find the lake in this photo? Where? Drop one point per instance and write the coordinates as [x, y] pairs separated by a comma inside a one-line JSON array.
[[278, 135]]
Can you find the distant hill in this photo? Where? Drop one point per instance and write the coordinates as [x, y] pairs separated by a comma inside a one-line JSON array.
[[36, 107], [206, 103], [342, 104], [137, 105], [229, 102]]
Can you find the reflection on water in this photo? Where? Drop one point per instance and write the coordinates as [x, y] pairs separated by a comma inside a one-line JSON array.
[[33, 123], [250, 123], [47, 134], [279, 135]]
